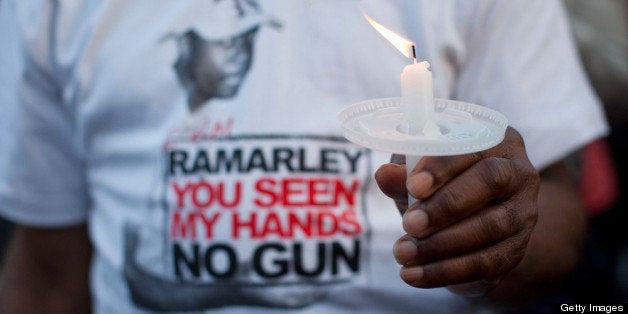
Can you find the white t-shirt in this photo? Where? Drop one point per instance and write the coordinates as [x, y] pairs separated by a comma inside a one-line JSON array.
[[199, 139]]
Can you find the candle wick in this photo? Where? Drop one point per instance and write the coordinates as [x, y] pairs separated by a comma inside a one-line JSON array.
[[414, 53]]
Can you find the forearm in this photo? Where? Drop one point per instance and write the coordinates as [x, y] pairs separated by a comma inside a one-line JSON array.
[[555, 244], [46, 271]]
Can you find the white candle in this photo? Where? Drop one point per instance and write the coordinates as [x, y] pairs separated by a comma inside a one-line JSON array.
[[417, 98], [417, 102]]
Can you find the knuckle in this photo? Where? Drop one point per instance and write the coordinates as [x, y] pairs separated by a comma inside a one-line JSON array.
[[481, 266], [498, 263], [525, 216], [532, 218], [495, 262], [447, 205], [508, 255], [496, 224], [515, 137], [513, 142], [527, 172], [496, 172]]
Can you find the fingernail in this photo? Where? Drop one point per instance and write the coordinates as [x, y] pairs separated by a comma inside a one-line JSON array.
[[404, 251], [419, 184], [415, 222], [411, 275]]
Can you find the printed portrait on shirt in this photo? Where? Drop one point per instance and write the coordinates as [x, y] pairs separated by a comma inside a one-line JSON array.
[[216, 52]]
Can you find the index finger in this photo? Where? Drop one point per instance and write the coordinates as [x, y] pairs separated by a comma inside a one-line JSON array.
[[431, 173]]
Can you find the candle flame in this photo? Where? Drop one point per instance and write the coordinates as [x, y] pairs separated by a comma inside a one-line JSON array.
[[402, 44]]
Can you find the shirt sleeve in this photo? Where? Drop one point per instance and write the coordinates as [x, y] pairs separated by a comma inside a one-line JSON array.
[[521, 60], [42, 181]]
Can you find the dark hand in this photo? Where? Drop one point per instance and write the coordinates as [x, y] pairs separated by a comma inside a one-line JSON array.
[[473, 220]]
